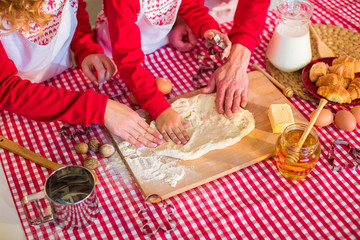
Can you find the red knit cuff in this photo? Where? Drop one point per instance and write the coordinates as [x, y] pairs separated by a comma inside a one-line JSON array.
[[244, 39], [156, 106], [96, 108], [94, 49]]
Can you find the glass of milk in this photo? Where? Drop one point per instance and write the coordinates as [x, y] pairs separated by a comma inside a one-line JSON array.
[[289, 49]]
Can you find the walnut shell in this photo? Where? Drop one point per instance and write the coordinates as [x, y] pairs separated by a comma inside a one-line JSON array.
[[90, 163], [106, 150], [94, 145], [81, 148]]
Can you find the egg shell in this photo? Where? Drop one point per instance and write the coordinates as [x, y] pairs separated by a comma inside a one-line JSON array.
[[345, 120], [325, 118], [356, 112], [164, 85]]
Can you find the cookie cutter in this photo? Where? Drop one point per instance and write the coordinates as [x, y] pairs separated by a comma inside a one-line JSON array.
[[100, 89], [71, 130], [147, 227], [207, 62], [333, 160], [219, 43]]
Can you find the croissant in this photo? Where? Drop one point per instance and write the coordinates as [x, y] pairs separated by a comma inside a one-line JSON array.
[[349, 61], [343, 70], [354, 89], [330, 79], [317, 70], [335, 93]]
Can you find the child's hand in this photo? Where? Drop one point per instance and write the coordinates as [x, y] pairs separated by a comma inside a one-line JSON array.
[[99, 63], [210, 34], [181, 37], [126, 123], [171, 126]]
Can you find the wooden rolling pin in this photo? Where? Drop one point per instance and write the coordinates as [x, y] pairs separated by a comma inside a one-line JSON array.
[[287, 91]]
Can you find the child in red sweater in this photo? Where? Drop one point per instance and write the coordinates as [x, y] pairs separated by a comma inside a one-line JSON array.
[[35, 40], [128, 29]]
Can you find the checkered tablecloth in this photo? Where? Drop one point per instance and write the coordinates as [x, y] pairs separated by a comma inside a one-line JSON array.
[[253, 203]]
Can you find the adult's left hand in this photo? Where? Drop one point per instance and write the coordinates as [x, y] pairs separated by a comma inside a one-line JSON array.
[[231, 81]]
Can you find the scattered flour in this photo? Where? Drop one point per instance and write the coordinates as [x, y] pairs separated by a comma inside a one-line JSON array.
[[208, 130], [150, 167]]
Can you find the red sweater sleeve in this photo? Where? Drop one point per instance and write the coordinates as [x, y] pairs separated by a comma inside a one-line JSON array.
[[128, 56], [249, 22], [197, 16], [43, 103], [83, 42], [125, 38]]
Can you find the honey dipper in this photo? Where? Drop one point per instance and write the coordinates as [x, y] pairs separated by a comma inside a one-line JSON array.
[[287, 91], [293, 157]]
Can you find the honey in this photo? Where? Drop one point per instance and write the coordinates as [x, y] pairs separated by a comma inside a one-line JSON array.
[[309, 152]]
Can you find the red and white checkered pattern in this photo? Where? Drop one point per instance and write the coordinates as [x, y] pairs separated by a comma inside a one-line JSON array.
[[254, 203]]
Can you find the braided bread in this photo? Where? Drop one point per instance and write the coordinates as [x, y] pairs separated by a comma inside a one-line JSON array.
[[335, 93], [349, 61], [354, 89], [317, 70], [330, 79]]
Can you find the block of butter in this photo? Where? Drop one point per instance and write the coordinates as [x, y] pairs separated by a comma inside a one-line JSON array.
[[280, 116]]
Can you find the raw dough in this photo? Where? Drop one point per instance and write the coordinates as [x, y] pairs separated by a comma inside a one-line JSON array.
[[208, 130]]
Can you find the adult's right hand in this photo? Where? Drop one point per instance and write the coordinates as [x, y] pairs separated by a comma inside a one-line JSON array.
[[231, 81], [126, 123]]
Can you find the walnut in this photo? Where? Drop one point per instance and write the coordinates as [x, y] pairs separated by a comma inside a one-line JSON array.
[[90, 163], [81, 148], [106, 150], [94, 145]]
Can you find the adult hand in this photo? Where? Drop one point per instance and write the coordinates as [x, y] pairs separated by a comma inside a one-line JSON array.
[[210, 34], [99, 63], [181, 37], [171, 126], [231, 81], [126, 123]]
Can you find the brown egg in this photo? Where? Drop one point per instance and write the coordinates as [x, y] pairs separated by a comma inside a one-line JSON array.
[[164, 85], [345, 120], [356, 112], [133, 100], [325, 118]]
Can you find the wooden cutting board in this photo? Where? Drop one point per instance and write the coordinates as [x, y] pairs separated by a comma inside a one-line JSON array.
[[255, 147]]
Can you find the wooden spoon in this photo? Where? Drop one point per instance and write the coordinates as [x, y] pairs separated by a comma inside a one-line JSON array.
[[323, 49], [32, 156], [293, 157]]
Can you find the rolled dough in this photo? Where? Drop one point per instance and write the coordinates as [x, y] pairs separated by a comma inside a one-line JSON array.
[[208, 130]]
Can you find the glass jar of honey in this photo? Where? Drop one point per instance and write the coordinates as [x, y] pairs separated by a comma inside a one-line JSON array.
[[308, 154]]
